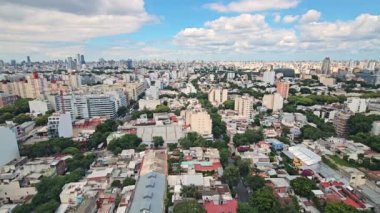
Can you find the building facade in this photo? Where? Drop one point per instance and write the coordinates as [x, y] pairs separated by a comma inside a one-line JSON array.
[[8, 146], [283, 89], [217, 96], [244, 105], [60, 125]]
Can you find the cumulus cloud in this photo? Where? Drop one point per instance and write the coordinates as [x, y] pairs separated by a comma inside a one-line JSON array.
[[40, 23], [310, 16], [361, 33], [246, 6], [241, 33], [289, 19]]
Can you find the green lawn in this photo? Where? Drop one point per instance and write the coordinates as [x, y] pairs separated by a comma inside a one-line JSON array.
[[340, 161]]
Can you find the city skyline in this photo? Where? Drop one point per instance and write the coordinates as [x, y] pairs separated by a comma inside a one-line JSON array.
[[238, 30]]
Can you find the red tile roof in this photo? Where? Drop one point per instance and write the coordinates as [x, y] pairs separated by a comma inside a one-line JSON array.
[[229, 207], [213, 167]]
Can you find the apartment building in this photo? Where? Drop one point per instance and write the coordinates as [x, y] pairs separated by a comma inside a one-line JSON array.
[[6, 99], [274, 101], [199, 121], [283, 89], [217, 96], [60, 125], [244, 105]]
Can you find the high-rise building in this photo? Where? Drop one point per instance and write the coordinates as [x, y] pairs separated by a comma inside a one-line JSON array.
[[70, 63], [274, 101], [269, 77], [13, 62], [39, 106], [199, 121], [82, 61], [28, 60], [6, 99], [217, 96], [326, 66], [283, 89], [129, 64], [244, 105], [8, 146], [340, 123], [91, 105], [60, 125], [34, 86], [79, 59]]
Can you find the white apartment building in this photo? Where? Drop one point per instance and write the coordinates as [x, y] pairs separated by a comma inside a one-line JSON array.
[[8, 146], [39, 106], [376, 128], [152, 92], [357, 105], [60, 125], [269, 77], [199, 121], [244, 105], [91, 105], [274, 101], [217, 96]]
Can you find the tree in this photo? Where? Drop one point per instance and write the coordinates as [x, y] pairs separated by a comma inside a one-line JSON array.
[[249, 137], [71, 151], [125, 142], [303, 186], [255, 182], [305, 90], [245, 208], [229, 104], [244, 167], [41, 120], [189, 191], [188, 206], [158, 141], [50, 206], [129, 181], [231, 175], [162, 108], [264, 200], [122, 111], [21, 118], [339, 208], [224, 154], [309, 132], [116, 184]]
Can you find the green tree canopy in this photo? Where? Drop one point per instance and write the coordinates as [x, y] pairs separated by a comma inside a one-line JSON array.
[[128, 181], [255, 182], [125, 142], [158, 141], [264, 201], [231, 175], [303, 186], [229, 104]]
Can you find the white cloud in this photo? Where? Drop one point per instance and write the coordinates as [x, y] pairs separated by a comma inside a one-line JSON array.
[[246, 6], [43, 23], [361, 33], [310, 16], [243, 33], [289, 19]]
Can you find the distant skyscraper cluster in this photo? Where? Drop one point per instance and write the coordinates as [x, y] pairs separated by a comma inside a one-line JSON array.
[[75, 63]]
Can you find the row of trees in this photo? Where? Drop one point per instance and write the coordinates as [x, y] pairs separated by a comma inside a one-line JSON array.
[[125, 142], [47, 148], [102, 131], [359, 126], [16, 111], [310, 100], [159, 109]]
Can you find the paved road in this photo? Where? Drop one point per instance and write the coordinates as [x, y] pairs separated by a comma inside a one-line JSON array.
[[242, 192]]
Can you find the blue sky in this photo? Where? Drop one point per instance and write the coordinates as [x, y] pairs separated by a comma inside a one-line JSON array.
[[191, 29]]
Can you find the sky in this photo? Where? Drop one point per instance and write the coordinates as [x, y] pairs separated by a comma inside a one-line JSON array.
[[238, 30]]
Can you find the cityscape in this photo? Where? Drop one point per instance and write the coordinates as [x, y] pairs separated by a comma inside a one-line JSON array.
[[134, 107]]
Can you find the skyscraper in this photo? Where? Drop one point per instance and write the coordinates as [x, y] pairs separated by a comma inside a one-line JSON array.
[[326, 66], [78, 59], [28, 60], [82, 59], [129, 64]]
